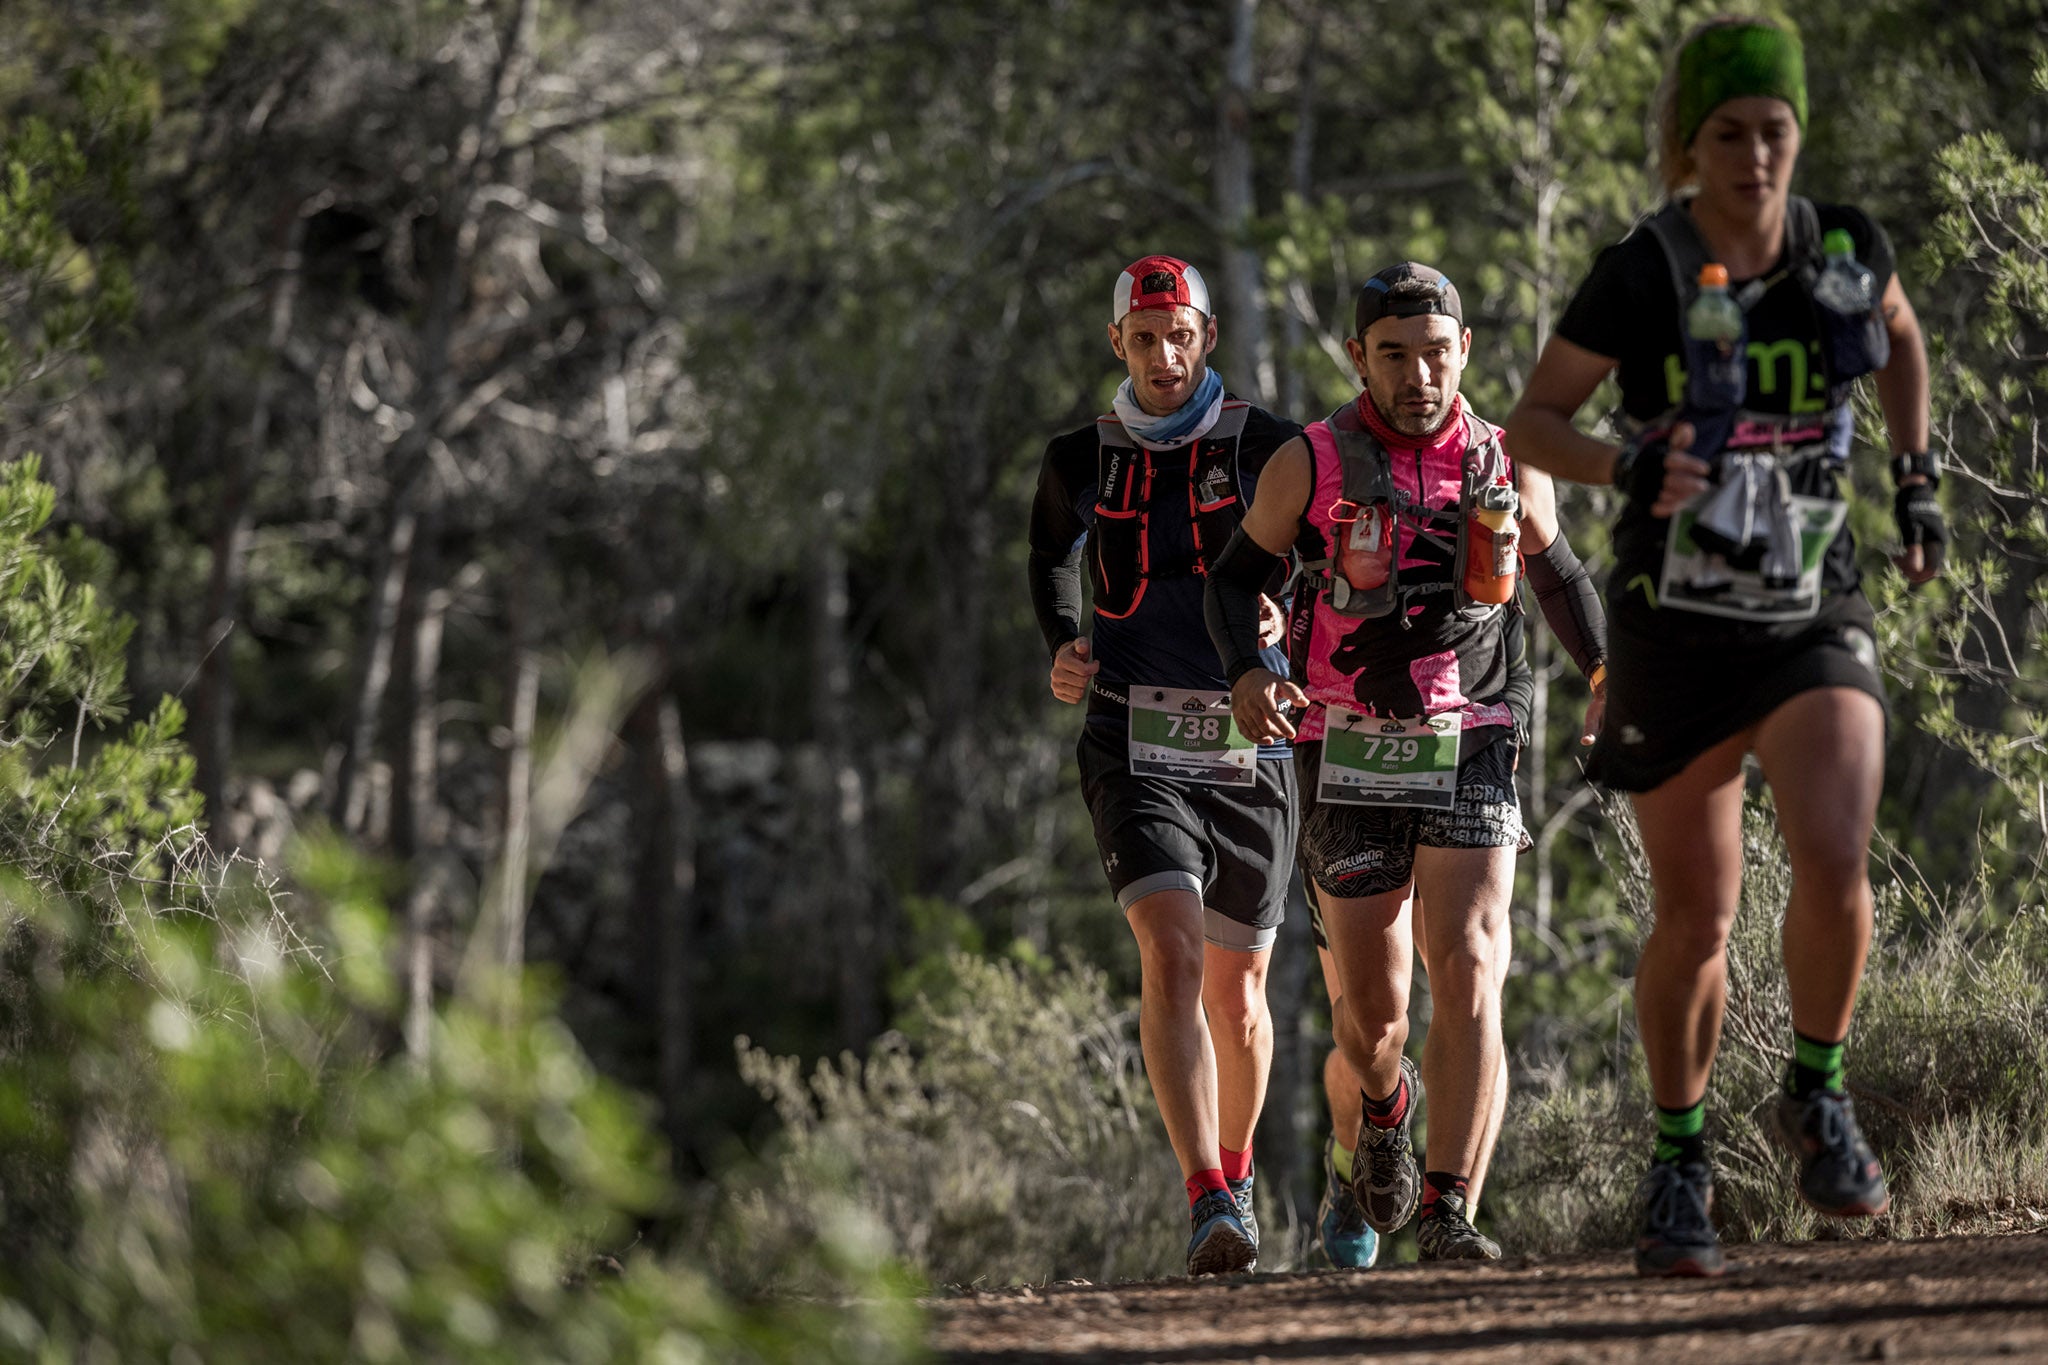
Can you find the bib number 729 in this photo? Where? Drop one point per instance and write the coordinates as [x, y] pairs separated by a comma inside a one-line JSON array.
[[1378, 750]]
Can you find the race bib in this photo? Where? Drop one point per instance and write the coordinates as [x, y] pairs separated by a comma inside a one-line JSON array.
[[1697, 581], [1188, 736], [1376, 761]]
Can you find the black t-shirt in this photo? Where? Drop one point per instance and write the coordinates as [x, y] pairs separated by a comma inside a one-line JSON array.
[[1628, 309], [1164, 642]]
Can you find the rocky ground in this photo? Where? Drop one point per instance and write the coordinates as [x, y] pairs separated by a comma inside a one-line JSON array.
[[1948, 1299]]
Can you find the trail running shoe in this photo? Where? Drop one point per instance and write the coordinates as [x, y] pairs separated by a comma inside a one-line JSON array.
[[1838, 1173], [1678, 1238], [1446, 1234], [1220, 1245], [1241, 1192], [1384, 1178], [1341, 1231]]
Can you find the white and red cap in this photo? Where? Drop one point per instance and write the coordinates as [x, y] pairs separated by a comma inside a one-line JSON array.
[[1158, 282]]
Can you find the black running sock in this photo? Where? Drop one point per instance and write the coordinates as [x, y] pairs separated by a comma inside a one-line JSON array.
[[1681, 1133], [1815, 1066], [1436, 1183], [1389, 1112]]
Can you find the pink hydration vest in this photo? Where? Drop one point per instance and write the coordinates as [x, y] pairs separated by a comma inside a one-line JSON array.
[[1435, 650]]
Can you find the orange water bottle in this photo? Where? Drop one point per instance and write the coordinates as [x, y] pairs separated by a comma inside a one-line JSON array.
[[1495, 539]]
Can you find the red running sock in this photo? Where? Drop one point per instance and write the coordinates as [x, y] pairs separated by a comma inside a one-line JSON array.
[[1436, 1183], [1201, 1182], [1236, 1165], [1389, 1112]]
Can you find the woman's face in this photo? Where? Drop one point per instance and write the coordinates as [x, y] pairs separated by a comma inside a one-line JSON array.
[[1744, 152]]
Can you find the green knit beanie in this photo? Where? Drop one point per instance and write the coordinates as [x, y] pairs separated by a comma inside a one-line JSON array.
[[1729, 61]]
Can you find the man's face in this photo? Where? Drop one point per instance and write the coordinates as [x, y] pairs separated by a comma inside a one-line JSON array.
[[1167, 353], [1411, 368]]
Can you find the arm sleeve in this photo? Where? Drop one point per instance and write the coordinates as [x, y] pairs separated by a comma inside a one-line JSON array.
[[1230, 603], [1570, 603], [1053, 566], [1520, 692]]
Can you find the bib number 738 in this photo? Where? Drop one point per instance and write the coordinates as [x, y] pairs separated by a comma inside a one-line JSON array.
[[1197, 729], [1188, 736]]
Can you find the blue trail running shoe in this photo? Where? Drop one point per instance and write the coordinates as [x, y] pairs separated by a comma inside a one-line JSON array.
[[1678, 1237], [1838, 1173], [1341, 1231], [1220, 1245], [1241, 1191]]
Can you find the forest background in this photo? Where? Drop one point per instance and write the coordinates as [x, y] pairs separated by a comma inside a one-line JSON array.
[[574, 455]]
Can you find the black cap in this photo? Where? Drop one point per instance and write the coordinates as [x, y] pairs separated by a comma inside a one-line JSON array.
[[1407, 290]]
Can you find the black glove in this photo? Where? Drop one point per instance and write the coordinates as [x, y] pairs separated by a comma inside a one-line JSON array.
[[1920, 521], [1639, 466]]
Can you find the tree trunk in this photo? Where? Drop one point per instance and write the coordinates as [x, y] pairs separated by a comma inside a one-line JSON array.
[[453, 241], [853, 919], [664, 891], [1249, 352], [1294, 388], [214, 704], [1294, 1107], [377, 648], [515, 850], [416, 824], [1545, 177]]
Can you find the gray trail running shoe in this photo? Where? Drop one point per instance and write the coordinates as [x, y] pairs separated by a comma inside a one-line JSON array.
[[1678, 1237], [1446, 1234], [1838, 1173], [1384, 1177], [1346, 1241], [1241, 1191], [1219, 1245]]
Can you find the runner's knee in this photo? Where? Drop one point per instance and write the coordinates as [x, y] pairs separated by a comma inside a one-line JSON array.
[[1695, 931], [1235, 1003]]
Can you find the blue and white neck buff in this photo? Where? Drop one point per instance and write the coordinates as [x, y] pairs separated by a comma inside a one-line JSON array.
[[1189, 422]]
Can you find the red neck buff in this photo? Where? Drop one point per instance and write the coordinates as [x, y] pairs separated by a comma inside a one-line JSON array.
[[1452, 425]]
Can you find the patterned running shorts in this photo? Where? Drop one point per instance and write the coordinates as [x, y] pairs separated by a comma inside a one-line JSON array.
[[1352, 851]]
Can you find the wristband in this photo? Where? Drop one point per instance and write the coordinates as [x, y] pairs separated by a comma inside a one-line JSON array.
[[1922, 462]]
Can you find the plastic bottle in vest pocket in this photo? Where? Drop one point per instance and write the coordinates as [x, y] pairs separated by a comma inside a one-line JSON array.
[[1365, 552], [1490, 556]]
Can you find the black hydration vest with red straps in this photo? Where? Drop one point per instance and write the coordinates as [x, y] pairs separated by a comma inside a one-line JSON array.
[[1123, 559]]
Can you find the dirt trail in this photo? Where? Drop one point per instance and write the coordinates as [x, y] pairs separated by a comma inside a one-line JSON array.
[[1948, 1299]]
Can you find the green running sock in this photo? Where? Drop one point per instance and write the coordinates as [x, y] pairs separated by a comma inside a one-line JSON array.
[[1681, 1133], [1340, 1161], [1815, 1066]]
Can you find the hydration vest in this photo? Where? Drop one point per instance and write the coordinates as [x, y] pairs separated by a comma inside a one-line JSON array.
[[1123, 562], [1368, 481], [1849, 347]]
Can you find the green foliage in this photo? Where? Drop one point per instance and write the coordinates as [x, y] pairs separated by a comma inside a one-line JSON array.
[[249, 1181], [63, 171], [206, 1152], [1005, 1134]]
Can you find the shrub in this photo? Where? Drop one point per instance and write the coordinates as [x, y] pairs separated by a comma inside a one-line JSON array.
[[1003, 1133]]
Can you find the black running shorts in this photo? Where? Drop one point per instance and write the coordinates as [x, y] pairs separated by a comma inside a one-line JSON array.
[[1679, 683], [1352, 851], [1232, 846]]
